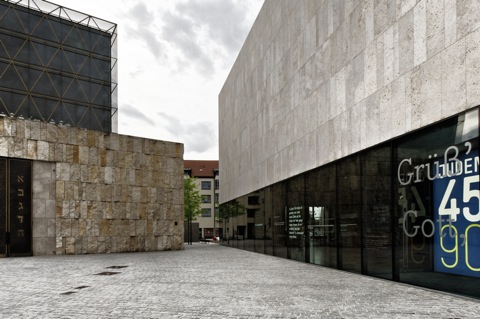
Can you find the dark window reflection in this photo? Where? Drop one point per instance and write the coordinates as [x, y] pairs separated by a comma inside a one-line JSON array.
[[322, 222], [377, 221], [406, 210], [349, 212]]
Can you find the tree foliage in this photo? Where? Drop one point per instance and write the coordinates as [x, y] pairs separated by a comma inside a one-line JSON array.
[[191, 199], [230, 209]]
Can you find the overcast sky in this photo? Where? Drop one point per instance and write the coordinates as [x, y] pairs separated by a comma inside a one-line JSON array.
[[174, 57]]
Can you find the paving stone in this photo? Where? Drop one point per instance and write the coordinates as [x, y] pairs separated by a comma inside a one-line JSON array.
[[208, 281]]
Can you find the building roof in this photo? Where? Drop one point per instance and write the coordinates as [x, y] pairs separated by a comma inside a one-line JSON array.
[[200, 168]]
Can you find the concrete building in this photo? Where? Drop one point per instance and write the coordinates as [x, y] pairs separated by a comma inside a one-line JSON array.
[[207, 181], [356, 124], [71, 184]]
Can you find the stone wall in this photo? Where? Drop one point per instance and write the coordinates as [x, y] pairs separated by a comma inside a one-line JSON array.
[[319, 80], [95, 192]]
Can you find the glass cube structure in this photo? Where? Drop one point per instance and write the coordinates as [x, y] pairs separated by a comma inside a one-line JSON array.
[[57, 65]]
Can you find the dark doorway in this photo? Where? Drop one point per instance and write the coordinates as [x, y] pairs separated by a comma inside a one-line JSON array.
[[15, 207]]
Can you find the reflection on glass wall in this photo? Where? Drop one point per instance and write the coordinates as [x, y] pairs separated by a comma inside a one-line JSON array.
[[437, 190], [260, 225], [377, 221], [55, 70], [295, 218], [407, 210], [349, 213], [321, 197], [278, 206]]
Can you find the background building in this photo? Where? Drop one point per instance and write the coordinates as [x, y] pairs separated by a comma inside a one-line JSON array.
[[70, 184], [356, 124], [207, 181]]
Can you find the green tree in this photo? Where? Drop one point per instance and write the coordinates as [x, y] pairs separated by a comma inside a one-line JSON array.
[[191, 199], [230, 209]]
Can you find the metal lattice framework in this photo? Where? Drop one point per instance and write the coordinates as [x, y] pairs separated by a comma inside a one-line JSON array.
[[57, 65]]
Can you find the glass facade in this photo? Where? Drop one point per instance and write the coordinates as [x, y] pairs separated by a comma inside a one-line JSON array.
[[57, 70], [407, 210]]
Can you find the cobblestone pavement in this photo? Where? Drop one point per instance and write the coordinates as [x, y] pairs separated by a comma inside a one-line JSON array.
[[208, 281]]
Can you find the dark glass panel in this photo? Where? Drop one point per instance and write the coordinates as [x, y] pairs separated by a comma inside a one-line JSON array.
[[89, 121], [3, 69], [40, 54], [260, 225], [101, 69], [33, 20], [47, 84], [89, 89], [86, 40], [73, 90], [53, 57], [10, 21], [296, 218], [65, 115], [103, 45], [437, 206], [6, 101], [13, 77], [3, 8], [56, 81], [46, 55], [93, 41], [75, 62], [74, 39], [80, 112], [102, 115], [33, 77], [269, 220], [44, 30], [377, 221], [320, 186], [278, 206], [89, 69], [69, 111], [103, 96], [349, 212], [11, 48], [45, 107]]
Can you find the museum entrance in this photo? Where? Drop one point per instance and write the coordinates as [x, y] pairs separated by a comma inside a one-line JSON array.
[[15, 207]]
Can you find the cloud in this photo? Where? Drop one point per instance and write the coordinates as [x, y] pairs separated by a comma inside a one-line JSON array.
[[198, 137], [183, 35], [203, 29], [144, 22], [133, 112], [225, 20]]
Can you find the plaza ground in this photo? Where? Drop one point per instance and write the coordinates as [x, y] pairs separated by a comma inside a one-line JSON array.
[[208, 281]]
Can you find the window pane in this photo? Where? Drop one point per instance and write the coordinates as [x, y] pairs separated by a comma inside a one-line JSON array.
[[322, 230], [437, 205], [349, 212], [377, 222]]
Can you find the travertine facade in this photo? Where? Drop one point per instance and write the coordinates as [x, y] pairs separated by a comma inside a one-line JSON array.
[[319, 80], [95, 192]]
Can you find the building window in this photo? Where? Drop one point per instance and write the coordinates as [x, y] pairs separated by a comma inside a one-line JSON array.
[[208, 233], [217, 184], [206, 185], [206, 198], [251, 213], [207, 212], [253, 200], [216, 197]]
